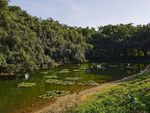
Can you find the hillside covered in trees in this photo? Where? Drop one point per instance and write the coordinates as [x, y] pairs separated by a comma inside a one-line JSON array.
[[28, 42]]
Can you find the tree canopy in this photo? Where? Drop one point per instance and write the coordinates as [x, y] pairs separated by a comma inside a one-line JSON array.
[[28, 42]]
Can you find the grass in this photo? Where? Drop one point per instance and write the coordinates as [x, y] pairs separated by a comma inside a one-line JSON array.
[[127, 97]]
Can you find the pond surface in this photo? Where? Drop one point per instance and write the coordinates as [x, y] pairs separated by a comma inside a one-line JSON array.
[[14, 99]]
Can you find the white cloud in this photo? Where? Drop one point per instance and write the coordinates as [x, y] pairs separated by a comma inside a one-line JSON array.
[[89, 12]]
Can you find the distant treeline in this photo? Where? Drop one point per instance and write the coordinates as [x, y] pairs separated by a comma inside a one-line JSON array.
[[28, 42]]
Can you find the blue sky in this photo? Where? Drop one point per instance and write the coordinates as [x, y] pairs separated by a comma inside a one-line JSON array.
[[90, 13]]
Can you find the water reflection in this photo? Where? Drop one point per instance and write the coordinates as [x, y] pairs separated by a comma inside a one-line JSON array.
[[117, 70]]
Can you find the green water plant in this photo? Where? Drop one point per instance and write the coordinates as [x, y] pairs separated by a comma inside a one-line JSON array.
[[26, 84], [72, 78], [77, 70], [65, 82], [50, 77], [44, 72], [54, 93], [90, 82], [52, 81], [59, 82], [64, 71]]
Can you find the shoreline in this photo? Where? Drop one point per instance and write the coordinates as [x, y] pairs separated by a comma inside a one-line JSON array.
[[68, 101]]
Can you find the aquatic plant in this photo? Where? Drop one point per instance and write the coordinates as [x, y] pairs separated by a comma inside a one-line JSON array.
[[90, 82], [26, 84], [59, 82], [45, 72], [64, 71], [72, 78], [101, 81], [50, 77], [52, 81], [76, 70], [65, 83], [84, 68], [54, 93]]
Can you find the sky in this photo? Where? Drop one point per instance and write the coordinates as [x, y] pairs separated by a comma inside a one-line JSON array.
[[92, 13]]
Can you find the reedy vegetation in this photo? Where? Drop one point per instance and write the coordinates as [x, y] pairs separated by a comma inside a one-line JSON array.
[[28, 42]]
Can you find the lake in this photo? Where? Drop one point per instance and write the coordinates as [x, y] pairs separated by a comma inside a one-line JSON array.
[[71, 78]]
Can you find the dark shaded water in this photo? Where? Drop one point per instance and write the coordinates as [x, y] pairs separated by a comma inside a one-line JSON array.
[[14, 99]]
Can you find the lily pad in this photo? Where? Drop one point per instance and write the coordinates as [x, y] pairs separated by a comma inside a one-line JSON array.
[[65, 83], [72, 78], [45, 72], [54, 93], [92, 83], [64, 71], [59, 82], [52, 81], [50, 77], [26, 84], [76, 70]]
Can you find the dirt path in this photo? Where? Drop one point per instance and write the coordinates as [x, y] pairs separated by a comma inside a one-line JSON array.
[[70, 100]]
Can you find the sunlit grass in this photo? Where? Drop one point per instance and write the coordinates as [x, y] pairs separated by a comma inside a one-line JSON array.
[[127, 97]]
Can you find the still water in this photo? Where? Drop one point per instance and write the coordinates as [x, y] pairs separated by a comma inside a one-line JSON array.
[[15, 99]]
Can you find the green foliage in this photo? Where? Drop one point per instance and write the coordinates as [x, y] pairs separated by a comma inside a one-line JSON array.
[[120, 42], [2, 60], [31, 43], [128, 97], [28, 42]]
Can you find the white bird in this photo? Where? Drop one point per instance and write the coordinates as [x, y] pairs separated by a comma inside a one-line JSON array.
[[99, 66], [129, 64], [26, 76]]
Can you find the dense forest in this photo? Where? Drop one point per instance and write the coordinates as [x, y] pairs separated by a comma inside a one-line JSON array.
[[28, 42]]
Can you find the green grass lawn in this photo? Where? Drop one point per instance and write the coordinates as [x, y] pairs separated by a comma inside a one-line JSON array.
[[127, 97]]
